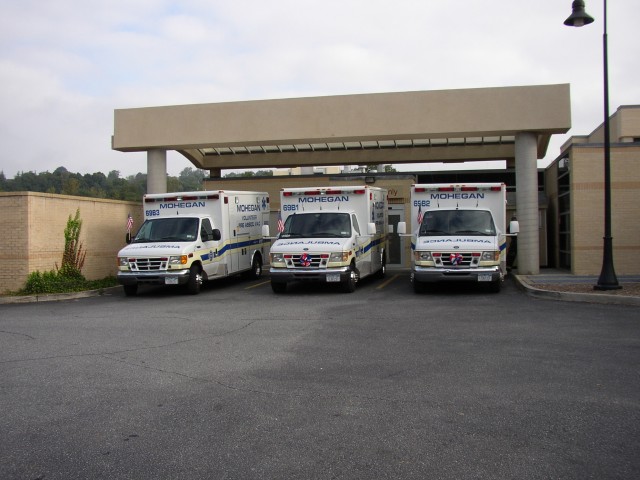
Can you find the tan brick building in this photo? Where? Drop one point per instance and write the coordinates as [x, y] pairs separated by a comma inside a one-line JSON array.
[[575, 190], [33, 227]]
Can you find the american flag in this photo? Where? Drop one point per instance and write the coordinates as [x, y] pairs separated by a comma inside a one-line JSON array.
[[129, 223], [419, 215], [280, 223]]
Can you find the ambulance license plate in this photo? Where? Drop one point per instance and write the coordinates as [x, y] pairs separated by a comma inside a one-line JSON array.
[[333, 277], [171, 281], [484, 277]]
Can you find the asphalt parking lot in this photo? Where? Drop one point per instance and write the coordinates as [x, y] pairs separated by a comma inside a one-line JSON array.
[[240, 383]]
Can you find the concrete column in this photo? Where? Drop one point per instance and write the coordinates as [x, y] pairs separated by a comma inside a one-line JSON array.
[[156, 171], [527, 204]]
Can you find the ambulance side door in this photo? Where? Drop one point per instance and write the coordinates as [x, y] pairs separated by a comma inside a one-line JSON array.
[[209, 248], [361, 242]]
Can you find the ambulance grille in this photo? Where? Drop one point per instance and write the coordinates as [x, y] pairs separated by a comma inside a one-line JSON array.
[[448, 259], [149, 264], [296, 263]]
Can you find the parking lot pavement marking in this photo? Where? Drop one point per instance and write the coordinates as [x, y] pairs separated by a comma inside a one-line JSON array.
[[387, 282], [256, 285]]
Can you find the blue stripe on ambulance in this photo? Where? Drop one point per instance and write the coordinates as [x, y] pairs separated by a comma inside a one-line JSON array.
[[235, 246], [370, 245]]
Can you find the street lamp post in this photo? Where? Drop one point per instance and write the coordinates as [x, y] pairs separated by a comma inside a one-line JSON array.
[[607, 279]]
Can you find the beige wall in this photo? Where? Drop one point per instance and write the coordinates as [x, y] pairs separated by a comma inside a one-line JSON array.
[[33, 233], [467, 124], [587, 209], [585, 154]]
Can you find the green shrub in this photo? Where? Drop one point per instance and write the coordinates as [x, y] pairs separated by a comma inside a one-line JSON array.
[[54, 282], [67, 278], [73, 256]]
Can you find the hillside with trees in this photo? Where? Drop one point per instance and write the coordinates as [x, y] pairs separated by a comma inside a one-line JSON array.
[[99, 185]]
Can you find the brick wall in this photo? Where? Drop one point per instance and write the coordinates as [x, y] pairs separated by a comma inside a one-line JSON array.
[[587, 209], [33, 233], [14, 247]]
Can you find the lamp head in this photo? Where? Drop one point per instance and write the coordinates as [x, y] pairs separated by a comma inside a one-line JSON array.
[[578, 17]]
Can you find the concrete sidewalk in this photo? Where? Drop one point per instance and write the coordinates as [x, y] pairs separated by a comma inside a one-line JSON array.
[[556, 284]]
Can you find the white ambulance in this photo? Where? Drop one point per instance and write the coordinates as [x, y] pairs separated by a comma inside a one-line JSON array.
[[330, 234], [460, 234], [190, 237]]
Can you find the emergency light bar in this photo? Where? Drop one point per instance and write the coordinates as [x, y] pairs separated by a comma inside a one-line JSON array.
[[458, 188], [323, 192], [181, 199]]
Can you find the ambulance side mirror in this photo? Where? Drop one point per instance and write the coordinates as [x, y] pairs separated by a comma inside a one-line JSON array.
[[371, 228], [216, 235], [128, 238], [402, 228], [265, 231], [514, 227]]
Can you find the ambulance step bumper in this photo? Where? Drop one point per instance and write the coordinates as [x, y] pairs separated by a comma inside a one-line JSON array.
[[434, 275], [283, 275], [179, 277]]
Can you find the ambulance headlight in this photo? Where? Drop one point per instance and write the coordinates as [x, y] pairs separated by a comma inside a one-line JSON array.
[[339, 257], [422, 256], [178, 260], [123, 261], [492, 256], [277, 258]]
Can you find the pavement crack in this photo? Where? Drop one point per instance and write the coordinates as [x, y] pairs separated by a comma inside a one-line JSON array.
[[128, 350], [18, 334]]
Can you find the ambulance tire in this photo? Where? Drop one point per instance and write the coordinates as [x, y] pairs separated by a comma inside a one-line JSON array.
[[256, 268], [418, 287], [494, 287], [278, 287], [130, 290], [349, 285], [195, 280], [383, 270]]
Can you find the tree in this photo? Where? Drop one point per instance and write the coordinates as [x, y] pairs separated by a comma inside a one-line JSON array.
[[73, 256], [190, 179]]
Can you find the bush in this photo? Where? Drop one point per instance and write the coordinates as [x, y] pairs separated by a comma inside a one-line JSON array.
[[54, 282], [67, 278]]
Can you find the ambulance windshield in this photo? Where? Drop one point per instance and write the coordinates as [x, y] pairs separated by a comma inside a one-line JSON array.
[[179, 229], [318, 225], [457, 222]]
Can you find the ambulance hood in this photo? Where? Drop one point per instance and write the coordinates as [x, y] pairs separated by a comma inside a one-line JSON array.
[[461, 243], [311, 245], [154, 249]]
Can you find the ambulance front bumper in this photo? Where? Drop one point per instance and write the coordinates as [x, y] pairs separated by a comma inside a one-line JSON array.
[[283, 275], [176, 277], [434, 275]]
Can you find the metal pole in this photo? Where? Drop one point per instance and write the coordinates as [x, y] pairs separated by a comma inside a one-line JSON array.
[[607, 279]]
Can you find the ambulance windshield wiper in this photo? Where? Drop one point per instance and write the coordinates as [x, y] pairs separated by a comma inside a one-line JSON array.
[[473, 232], [434, 232]]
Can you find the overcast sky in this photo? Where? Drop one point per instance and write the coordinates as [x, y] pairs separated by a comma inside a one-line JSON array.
[[66, 65]]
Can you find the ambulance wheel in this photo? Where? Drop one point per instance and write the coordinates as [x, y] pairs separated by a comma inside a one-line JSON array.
[[130, 290], [256, 268], [383, 269], [349, 285], [418, 287], [494, 287], [278, 287], [195, 280]]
